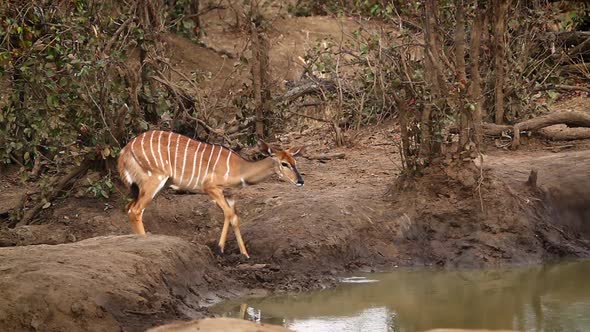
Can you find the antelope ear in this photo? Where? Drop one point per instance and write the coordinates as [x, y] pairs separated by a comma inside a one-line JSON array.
[[265, 148], [296, 151]]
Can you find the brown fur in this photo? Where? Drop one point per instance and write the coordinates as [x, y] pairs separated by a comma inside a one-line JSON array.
[[155, 159]]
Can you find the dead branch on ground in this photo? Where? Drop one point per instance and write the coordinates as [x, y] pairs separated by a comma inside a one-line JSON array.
[[326, 156], [304, 88], [573, 118], [563, 87], [565, 134], [57, 186]]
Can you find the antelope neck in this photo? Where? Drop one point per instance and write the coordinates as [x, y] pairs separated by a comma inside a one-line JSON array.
[[254, 172]]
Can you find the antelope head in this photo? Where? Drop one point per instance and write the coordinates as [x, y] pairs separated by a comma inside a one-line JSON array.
[[285, 165]]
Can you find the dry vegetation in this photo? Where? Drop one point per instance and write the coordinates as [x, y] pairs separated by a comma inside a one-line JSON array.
[[422, 123]]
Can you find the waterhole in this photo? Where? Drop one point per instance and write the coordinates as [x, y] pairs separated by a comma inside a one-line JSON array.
[[552, 297]]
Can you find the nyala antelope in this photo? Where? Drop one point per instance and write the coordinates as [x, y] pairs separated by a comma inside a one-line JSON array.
[[156, 159]]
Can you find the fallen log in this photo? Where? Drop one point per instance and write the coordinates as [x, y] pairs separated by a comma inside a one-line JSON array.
[[564, 133], [569, 119], [576, 119]]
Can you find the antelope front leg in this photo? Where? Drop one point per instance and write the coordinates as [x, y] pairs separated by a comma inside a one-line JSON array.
[[229, 217]]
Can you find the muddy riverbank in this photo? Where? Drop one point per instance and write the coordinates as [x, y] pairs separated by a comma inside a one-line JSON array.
[[350, 216]]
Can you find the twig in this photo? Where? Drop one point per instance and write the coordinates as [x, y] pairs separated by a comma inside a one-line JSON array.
[[209, 128], [480, 182], [558, 148], [118, 33], [326, 156], [563, 87], [15, 160], [202, 12], [146, 313], [102, 116], [57, 186], [580, 48], [309, 104], [173, 88], [309, 117]]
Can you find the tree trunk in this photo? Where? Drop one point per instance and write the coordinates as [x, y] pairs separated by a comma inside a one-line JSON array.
[[256, 81], [403, 124], [475, 94], [194, 13], [265, 83], [464, 122], [500, 9], [435, 77]]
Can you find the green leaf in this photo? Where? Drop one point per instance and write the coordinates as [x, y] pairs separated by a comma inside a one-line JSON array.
[[52, 101], [188, 24], [552, 94]]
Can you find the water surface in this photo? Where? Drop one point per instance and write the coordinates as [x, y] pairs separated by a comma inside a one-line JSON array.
[[541, 298]]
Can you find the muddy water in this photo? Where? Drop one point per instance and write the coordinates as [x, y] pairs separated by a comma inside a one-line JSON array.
[[541, 298]]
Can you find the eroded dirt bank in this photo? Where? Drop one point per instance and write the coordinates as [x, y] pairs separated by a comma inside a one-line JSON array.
[[349, 216], [104, 284]]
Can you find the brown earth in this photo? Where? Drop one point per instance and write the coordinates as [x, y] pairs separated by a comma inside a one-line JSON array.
[[351, 215], [78, 270], [94, 284]]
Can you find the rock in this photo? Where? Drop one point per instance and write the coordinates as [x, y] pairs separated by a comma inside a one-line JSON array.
[[219, 325]]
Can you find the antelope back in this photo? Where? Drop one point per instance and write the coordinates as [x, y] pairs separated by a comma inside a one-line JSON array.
[[189, 164]]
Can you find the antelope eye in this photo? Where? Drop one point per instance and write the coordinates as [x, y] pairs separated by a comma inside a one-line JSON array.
[[285, 164]]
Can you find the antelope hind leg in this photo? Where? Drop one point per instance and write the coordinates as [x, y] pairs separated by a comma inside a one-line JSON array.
[[224, 231], [236, 226]]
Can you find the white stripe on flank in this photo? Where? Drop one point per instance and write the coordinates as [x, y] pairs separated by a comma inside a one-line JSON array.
[[175, 156], [227, 165], [194, 166], [133, 149], [128, 177], [162, 183], [143, 150], [208, 162], [201, 164], [159, 149], [188, 141], [168, 160], [216, 161], [152, 149]]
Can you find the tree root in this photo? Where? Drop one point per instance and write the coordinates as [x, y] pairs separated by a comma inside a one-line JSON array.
[[574, 119], [58, 185]]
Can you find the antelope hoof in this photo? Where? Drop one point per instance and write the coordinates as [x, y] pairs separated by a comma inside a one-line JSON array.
[[218, 250]]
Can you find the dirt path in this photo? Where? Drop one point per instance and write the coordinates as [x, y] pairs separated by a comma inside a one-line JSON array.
[[348, 217]]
